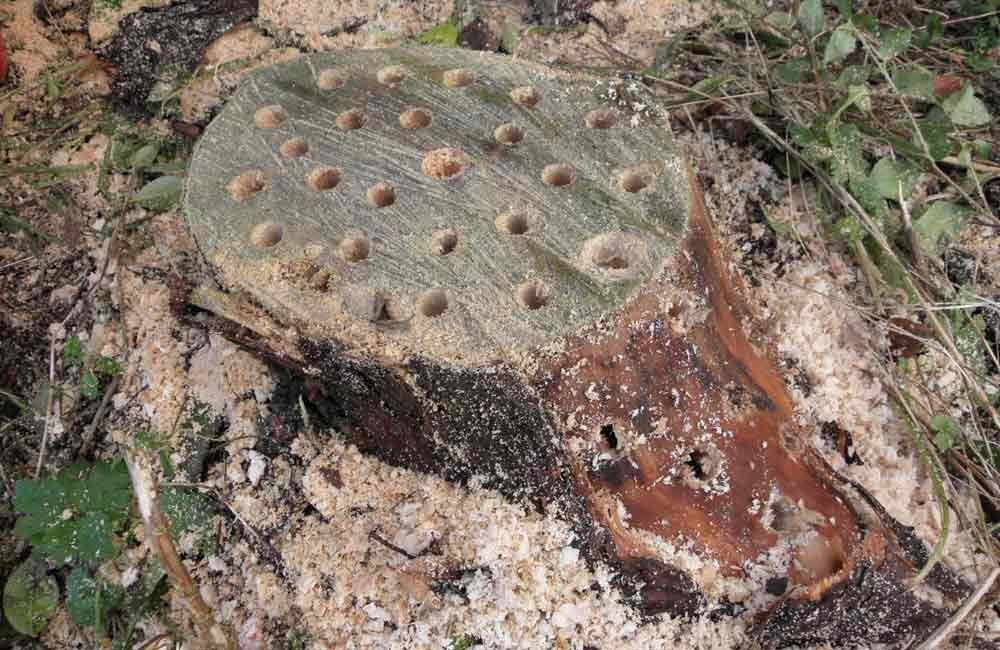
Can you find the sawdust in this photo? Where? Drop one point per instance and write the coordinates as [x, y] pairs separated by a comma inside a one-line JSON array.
[[354, 23], [28, 47], [620, 33], [481, 567]]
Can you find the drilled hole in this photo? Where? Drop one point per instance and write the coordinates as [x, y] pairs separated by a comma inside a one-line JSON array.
[[381, 195], [266, 235], [610, 259], [526, 96], [614, 251], [294, 147], [415, 118], [533, 294], [632, 180], [270, 117], [696, 462], [444, 242], [320, 280], [246, 185], [349, 120], [443, 163], [389, 310], [392, 75], [432, 303], [323, 178], [458, 78], [784, 516], [818, 558], [701, 467], [312, 250], [608, 433], [601, 118], [558, 175], [330, 80], [512, 223], [508, 134], [355, 249]]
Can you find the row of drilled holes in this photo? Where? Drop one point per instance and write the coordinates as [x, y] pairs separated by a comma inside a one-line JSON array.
[[440, 164], [528, 96], [531, 294], [273, 116]]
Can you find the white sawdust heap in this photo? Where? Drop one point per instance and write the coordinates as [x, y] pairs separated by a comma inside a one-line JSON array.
[[525, 585]]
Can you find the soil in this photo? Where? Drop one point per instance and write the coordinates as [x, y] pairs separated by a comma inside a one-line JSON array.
[[316, 545]]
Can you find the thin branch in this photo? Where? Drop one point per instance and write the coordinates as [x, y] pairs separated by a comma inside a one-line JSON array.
[[157, 531], [946, 628], [90, 436]]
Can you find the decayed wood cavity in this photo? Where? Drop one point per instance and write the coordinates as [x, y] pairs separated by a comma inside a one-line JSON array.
[[686, 430]]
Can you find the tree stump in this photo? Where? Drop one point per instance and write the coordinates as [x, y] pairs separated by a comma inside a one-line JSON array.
[[506, 271]]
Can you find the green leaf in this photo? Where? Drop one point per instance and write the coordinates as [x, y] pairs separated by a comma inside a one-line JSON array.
[[965, 109], [90, 601], [845, 7], [917, 82], [803, 136], [867, 194], [842, 42], [187, 510], [780, 19], [509, 36], [965, 154], [943, 218], [443, 35], [931, 32], [30, 597], [893, 42], [107, 366], [865, 22], [860, 97], [707, 86], [848, 160], [811, 17], [935, 132], [979, 64], [892, 272], [848, 229], [160, 194], [90, 387], [175, 167], [946, 431], [76, 513], [107, 488], [72, 351], [53, 90], [144, 156], [463, 642], [888, 174], [852, 75], [793, 72], [94, 543]]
